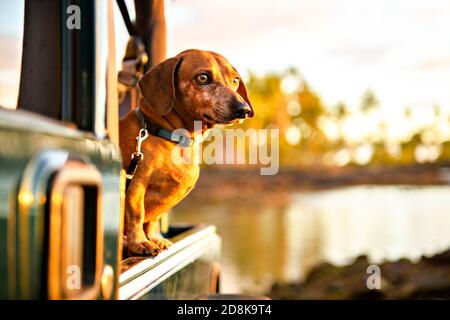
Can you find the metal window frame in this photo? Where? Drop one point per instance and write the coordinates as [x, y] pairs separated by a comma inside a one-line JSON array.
[[73, 173]]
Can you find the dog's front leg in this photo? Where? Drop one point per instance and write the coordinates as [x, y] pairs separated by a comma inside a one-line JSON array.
[[137, 241], [154, 235]]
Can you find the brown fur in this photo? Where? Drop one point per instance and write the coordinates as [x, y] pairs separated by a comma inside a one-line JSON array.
[[172, 99]]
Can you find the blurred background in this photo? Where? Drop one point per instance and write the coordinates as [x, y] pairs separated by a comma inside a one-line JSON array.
[[360, 93], [359, 90]]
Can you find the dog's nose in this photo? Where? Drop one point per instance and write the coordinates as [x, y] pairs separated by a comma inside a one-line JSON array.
[[241, 110]]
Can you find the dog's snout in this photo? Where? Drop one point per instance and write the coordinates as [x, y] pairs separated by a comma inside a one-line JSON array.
[[241, 110]]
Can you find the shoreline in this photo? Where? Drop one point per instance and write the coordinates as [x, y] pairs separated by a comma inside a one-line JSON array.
[[222, 184]]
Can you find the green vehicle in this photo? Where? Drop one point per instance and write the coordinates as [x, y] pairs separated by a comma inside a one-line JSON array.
[[61, 179]]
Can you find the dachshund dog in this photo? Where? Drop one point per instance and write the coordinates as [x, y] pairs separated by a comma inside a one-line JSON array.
[[193, 86]]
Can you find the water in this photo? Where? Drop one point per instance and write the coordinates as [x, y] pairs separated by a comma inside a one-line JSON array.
[[283, 241]]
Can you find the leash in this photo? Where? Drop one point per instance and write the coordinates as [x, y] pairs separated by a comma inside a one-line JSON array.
[[136, 157], [148, 128]]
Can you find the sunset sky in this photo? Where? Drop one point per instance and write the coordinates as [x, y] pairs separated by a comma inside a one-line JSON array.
[[11, 29], [399, 49]]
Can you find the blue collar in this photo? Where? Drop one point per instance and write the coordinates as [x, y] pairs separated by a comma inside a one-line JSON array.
[[161, 132]]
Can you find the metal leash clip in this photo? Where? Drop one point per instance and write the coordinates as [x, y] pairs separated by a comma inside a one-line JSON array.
[[143, 134], [137, 156]]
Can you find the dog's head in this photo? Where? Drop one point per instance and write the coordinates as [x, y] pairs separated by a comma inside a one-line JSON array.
[[203, 83]]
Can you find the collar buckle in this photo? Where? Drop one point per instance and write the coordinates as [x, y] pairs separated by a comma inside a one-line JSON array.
[[161, 132]]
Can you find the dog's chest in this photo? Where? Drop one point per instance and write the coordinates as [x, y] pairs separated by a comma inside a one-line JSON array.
[[177, 180], [185, 176]]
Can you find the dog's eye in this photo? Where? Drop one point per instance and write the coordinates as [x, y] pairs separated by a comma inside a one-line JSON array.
[[236, 81], [203, 79]]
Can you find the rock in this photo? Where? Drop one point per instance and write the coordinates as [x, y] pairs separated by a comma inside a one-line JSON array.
[[402, 279]]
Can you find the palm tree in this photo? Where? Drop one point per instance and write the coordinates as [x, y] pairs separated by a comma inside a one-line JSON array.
[[341, 115], [368, 102]]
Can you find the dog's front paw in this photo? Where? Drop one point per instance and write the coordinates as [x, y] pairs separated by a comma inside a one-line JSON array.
[[143, 248], [160, 241]]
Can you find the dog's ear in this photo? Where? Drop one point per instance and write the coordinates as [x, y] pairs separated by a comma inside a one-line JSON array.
[[242, 91], [158, 85]]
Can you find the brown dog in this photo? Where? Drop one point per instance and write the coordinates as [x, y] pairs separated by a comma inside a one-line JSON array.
[[194, 85]]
